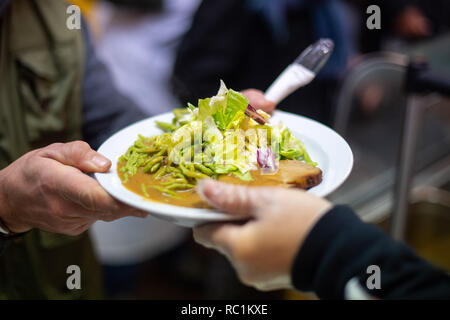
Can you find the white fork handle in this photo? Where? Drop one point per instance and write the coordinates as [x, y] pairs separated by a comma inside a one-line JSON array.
[[291, 79]]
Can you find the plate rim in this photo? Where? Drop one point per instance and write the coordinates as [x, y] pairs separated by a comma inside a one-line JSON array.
[[202, 215]]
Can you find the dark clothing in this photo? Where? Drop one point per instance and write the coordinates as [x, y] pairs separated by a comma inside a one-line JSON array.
[[230, 42], [147, 5], [105, 109], [41, 70], [3, 5], [341, 247], [52, 89]]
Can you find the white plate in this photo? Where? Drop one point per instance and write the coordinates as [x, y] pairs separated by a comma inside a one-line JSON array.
[[325, 147]]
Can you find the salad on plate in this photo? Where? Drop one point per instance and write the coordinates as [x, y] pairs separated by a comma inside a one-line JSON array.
[[223, 138]]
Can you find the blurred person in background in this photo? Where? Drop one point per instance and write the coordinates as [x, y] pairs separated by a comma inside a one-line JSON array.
[[137, 41], [248, 43], [408, 27], [406, 20]]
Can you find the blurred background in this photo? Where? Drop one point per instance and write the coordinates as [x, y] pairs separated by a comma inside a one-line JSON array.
[[165, 53]]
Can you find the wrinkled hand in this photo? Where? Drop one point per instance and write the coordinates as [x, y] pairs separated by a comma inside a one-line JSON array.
[[263, 249], [48, 189], [258, 101]]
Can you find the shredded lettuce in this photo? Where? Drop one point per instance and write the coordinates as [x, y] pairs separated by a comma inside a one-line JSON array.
[[293, 148], [236, 104], [243, 176]]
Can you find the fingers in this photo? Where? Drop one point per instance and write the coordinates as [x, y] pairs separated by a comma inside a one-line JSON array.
[[228, 197], [72, 219], [80, 188], [71, 209], [77, 154], [77, 187], [258, 100], [74, 185], [125, 211], [221, 237]]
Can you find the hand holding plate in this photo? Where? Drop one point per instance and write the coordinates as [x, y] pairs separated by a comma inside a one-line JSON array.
[[48, 189]]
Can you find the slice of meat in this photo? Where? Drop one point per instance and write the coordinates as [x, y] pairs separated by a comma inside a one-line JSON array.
[[298, 174], [291, 173]]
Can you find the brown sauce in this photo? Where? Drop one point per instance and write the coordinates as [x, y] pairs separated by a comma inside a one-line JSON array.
[[285, 177], [188, 198]]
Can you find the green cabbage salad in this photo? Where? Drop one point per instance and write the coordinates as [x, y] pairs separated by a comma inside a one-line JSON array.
[[215, 138]]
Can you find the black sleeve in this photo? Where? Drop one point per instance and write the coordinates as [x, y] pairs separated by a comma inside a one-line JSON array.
[[105, 109], [341, 247]]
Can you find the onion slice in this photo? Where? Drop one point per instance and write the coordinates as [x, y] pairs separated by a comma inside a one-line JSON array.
[[252, 113], [266, 161]]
